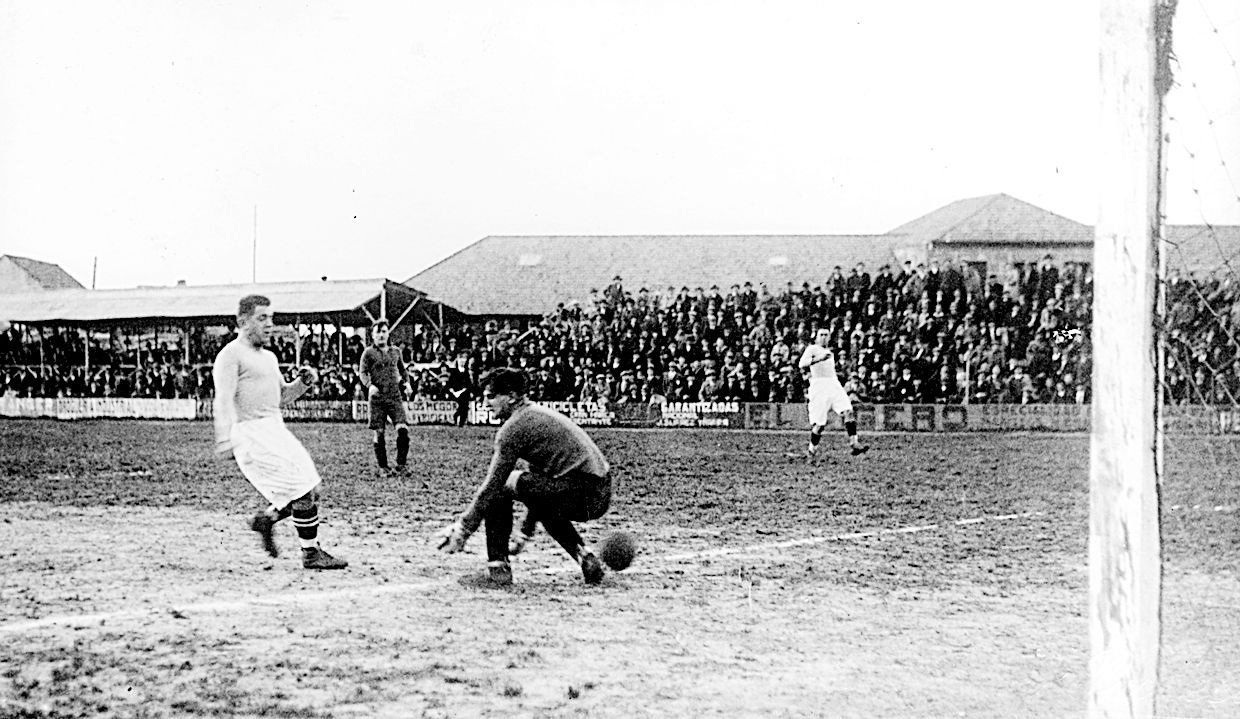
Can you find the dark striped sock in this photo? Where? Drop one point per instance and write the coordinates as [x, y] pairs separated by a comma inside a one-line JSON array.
[[307, 523]]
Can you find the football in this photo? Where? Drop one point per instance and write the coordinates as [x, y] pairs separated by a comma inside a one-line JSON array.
[[617, 550]]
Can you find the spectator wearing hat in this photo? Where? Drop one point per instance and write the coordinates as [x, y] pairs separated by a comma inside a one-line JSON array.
[[711, 387], [905, 274], [676, 384], [1047, 279], [905, 390], [1018, 388], [644, 302], [858, 282], [777, 383], [714, 300], [933, 279], [614, 292], [628, 389], [915, 285], [858, 385], [883, 281], [953, 280]]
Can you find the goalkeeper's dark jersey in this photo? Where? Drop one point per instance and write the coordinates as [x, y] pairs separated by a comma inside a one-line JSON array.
[[553, 445]]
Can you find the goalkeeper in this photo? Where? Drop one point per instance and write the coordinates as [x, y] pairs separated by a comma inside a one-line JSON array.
[[568, 480]]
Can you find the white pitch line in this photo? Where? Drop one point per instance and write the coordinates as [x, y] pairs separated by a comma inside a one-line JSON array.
[[100, 475], [229, 605], [649, 566]]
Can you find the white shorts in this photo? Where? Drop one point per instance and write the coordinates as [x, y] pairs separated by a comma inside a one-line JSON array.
[[273, 460], [826, 396]]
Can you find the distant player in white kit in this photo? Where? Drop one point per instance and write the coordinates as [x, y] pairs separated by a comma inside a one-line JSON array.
[[249, 391], [826, 394]]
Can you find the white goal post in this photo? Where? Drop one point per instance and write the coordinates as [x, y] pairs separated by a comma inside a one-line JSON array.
[[1125, 567]]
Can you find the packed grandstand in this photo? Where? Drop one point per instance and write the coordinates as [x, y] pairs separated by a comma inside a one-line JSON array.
[[919, 335]]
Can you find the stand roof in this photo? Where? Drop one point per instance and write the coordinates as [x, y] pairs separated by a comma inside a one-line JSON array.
[[350, 303]]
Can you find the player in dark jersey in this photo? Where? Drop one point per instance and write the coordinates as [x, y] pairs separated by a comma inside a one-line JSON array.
[[383, 373], [460, 389], [568, 480]]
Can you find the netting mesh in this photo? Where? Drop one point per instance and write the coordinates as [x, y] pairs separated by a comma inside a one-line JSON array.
[[1199, 315]]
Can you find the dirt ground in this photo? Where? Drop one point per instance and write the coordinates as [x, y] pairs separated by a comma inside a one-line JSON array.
[[938, 576]]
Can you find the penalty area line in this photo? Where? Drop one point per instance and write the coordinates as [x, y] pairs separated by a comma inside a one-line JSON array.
[[221, 606]]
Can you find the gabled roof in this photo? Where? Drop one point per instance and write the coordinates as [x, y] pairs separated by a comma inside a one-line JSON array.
[[530, 275], [994, 219], [42, 274], [350, 302]]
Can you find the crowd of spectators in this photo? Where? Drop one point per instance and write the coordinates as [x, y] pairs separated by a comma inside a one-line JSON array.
[[922, 334], [912, 334], [53, 363]]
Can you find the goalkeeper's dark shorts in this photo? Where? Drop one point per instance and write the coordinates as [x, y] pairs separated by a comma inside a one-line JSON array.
[[577, 496]]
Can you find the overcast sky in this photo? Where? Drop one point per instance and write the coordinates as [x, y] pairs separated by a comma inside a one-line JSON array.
[[377, 138]]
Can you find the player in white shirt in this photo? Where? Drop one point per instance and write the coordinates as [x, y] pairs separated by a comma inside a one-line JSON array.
[[249, 391], [826, 394]]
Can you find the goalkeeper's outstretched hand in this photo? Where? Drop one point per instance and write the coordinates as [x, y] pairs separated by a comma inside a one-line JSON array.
[[452, 538]]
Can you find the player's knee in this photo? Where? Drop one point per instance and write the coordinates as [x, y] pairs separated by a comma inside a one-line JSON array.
[[307, 500], [402, 429]]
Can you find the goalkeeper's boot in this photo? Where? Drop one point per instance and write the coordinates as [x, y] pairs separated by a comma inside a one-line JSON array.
[[316, 558], [860, 449], [499, 573], [591, 568], [265, 527]]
